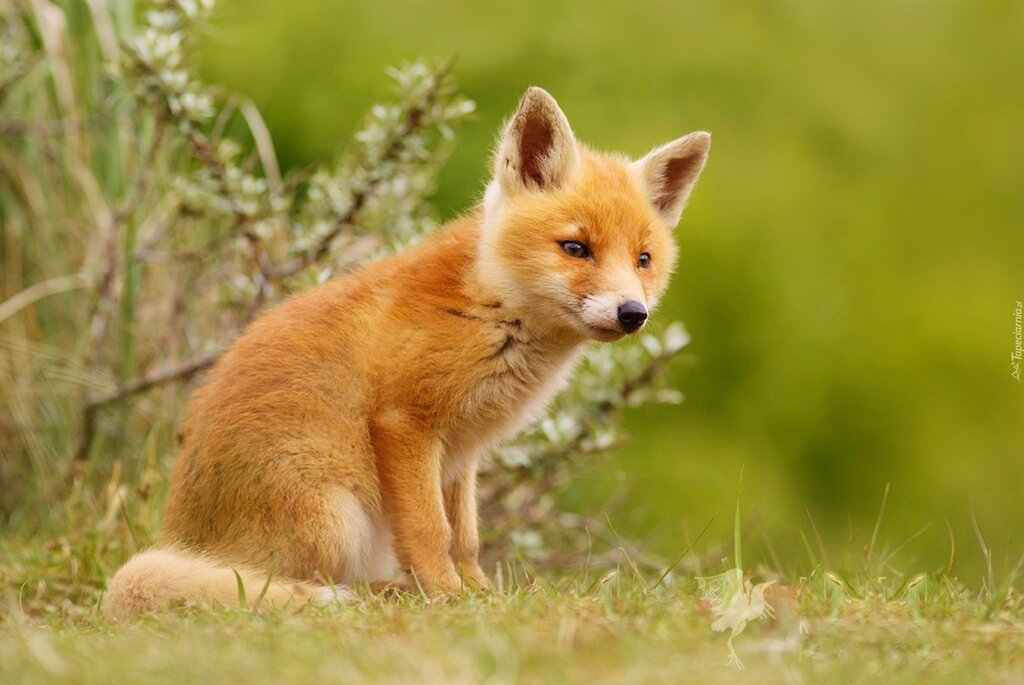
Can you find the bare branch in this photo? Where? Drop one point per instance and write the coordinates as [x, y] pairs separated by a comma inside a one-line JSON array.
[[182, 372]]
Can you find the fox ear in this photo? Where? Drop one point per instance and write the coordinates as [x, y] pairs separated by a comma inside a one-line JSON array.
[[668, 173], [537, 150]]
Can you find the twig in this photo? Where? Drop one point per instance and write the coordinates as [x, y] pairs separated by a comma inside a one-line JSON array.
[[141, 185], [18, 73], [139, 385], [16, 128], [100, 314]]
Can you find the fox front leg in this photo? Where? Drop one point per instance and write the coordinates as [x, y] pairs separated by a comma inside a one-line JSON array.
[[409, 468], [460, 505]]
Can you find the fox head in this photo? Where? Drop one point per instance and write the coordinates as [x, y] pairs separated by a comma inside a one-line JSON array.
[[580, 241]]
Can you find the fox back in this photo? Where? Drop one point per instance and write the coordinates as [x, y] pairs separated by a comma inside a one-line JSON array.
[[337, 440]]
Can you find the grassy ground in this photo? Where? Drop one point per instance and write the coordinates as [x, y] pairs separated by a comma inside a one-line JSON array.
[[617, 626]]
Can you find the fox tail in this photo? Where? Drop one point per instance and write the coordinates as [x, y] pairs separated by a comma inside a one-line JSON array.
[[163, 577]]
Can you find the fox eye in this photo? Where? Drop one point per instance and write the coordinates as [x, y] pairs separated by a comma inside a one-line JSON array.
[[644, 261], [575, 249]]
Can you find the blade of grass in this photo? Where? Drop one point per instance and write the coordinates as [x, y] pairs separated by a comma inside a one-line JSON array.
[[878, 524], [952, 549], [884, 561], [241, 589], [38, 291], [817, 538], [265, 588], [737, 546], [986, 552], [671, 567], [625, 553]]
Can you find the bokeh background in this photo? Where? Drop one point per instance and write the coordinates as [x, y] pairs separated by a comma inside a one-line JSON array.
[[851, 259]]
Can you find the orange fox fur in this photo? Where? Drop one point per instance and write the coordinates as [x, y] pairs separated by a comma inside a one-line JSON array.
[[337, 440]]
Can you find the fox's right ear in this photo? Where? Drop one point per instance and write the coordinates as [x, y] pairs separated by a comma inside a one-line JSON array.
[[537, 150], [668, 173]]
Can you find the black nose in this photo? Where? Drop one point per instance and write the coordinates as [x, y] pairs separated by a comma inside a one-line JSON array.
[[632, 315]]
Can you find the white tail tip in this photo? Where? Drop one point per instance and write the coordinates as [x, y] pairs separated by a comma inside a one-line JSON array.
[[332, 594]]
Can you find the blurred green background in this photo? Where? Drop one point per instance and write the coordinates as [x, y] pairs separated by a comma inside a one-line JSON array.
[[851, 259]]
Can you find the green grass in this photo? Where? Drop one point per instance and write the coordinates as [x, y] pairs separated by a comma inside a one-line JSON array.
[[616, 625], [544, 633]]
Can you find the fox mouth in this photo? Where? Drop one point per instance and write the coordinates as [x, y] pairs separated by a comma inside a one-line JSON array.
[[604, 334], [601, 333]]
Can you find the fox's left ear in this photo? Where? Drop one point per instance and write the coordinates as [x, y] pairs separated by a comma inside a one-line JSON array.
[[537, 150], [668, 173]]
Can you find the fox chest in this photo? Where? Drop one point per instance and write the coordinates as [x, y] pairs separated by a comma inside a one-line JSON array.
[[509, 391]]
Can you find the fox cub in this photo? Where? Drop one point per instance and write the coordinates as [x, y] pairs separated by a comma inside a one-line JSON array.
[[337, 440]]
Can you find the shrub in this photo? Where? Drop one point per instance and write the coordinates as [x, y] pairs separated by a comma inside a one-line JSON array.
[[146, 222]]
